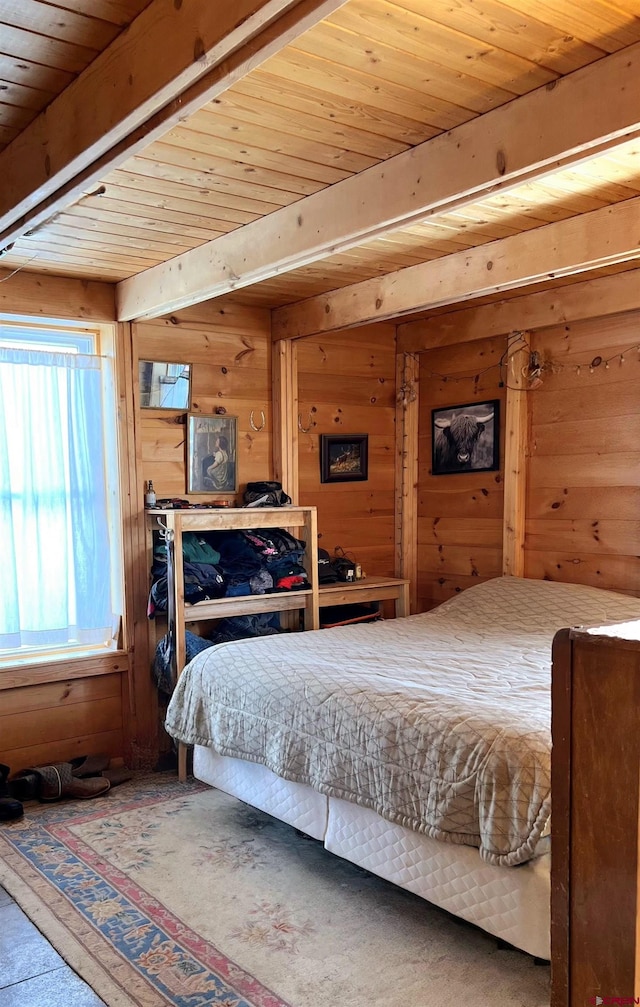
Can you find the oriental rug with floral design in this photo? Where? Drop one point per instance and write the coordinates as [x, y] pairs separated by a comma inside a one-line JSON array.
[[161, 893]]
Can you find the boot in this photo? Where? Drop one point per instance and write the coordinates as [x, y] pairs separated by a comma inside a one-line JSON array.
[[10, 809]]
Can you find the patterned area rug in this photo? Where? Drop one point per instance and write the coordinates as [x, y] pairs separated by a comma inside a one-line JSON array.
[[162, 893]]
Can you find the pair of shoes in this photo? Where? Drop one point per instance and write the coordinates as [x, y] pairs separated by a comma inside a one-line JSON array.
[[10, 809], [57, 781]]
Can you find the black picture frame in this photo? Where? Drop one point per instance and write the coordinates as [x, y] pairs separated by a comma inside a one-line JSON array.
[[344, 458], [460, 446]]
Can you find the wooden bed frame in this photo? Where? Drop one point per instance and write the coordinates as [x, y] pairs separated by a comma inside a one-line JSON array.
[[595, 872]]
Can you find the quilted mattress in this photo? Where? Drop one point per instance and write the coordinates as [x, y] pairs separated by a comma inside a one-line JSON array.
[[513, 905]]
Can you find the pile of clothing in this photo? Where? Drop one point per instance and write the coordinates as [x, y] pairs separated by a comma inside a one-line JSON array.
[[259, 562], [225, 564], [239, 627], [228, 564]]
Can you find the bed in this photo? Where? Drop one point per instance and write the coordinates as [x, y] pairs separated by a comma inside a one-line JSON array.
[[417, 748]]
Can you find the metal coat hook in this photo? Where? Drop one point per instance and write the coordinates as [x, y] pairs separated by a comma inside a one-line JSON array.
[[305, 430], [262, 421], [165, 533]]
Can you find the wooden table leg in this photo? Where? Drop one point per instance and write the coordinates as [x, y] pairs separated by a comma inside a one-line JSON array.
[[403, 602]]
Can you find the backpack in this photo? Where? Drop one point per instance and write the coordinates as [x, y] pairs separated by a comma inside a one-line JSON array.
[[265, 494], [327, 573]]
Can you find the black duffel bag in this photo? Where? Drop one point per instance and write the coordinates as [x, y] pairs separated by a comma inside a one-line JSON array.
[[265, 494]]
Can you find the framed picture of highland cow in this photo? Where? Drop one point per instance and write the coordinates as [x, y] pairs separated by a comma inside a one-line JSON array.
[[466, 438]]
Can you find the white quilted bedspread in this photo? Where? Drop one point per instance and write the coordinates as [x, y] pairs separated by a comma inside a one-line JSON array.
[[439, 722]]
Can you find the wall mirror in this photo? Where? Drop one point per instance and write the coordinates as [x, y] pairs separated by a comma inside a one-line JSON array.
[[164, 386]]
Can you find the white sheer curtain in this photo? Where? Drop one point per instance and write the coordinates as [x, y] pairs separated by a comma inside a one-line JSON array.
[[55, 579]]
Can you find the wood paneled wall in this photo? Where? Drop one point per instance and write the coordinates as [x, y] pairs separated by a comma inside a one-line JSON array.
[[56, 721], [229, 347], [582, 509], [459, 516], [583, 481], [41, 296], [346, 385]]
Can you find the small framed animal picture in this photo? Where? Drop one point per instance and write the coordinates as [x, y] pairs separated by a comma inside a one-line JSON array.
[[466, 438], [343, 457]]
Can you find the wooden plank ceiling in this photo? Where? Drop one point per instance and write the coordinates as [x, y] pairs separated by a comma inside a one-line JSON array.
[[43, 48], [372, 80]]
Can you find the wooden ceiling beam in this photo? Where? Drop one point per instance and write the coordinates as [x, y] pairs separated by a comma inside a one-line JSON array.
[[587, 241], [580, 115], [171, 60], [595, 298]]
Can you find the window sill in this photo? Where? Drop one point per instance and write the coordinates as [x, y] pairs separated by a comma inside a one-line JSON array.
[[25, 671]]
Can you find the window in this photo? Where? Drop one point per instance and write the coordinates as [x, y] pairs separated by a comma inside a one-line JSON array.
[[60, 586]]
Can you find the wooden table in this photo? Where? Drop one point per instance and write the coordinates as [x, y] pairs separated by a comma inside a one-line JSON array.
[[370, 589]]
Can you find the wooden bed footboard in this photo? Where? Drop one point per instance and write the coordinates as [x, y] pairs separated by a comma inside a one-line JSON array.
[[595, 819]]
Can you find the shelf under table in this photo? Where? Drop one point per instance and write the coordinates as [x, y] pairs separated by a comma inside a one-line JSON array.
[[246, 604], [370, 589]]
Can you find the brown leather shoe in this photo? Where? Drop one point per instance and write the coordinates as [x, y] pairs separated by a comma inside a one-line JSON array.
[[89, 765], [57, 781]]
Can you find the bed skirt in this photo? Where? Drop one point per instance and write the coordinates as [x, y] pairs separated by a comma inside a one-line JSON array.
[[511, 903]]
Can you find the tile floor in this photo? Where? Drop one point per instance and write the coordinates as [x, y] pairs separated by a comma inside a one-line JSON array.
[[32, 974]]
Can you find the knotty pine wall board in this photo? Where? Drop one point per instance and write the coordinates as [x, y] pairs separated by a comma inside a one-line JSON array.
[[460, 515], [55, 721], [582, 509], [230, 354], [583, 480], [346, 385]]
